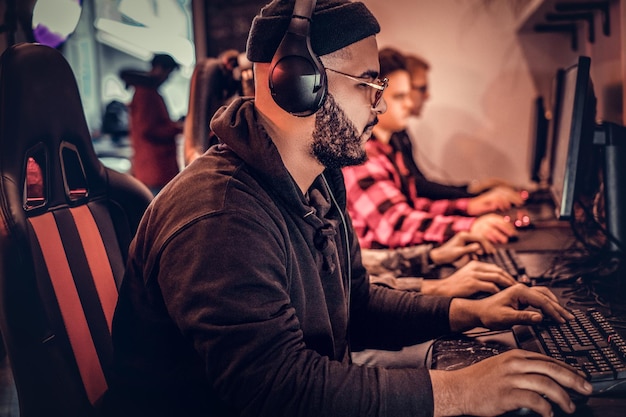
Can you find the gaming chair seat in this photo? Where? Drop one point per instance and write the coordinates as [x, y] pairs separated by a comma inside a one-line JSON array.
[[66, 222]]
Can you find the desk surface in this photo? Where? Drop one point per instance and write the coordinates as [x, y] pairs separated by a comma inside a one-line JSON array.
[[545, 232], [605, 293], [555, 235]]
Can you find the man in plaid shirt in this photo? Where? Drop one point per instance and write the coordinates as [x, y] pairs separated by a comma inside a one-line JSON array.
[[385, 205]]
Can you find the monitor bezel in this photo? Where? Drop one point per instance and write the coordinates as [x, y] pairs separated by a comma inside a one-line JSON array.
[[565, 193], [539, 140]]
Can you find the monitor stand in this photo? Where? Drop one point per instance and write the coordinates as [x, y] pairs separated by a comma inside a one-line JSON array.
[[613, 138]]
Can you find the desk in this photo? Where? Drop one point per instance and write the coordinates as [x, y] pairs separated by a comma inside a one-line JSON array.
[[549, 236], [557, 237], [546, 232]]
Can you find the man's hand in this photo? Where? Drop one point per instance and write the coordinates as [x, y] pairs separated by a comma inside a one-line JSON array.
[[470, 279], [509, 381], [507, 308], [515, 197], [496, 199], [493, 227], [459, 245], [484, 184]]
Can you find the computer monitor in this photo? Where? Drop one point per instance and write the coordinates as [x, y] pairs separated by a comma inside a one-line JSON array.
[[538, 141], [573, 137], [588, 159]]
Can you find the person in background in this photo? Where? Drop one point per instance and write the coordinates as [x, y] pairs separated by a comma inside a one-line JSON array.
[[405, 268], [384, 202], [115, 121], [213, 83], [244, 290], [152, 132], [418, 69]]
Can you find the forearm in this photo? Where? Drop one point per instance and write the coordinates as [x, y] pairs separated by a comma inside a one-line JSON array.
[[392, 319], [403, 284]]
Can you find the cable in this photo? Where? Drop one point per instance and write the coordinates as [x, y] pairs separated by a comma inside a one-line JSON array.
[[347, 239], [593, 221]]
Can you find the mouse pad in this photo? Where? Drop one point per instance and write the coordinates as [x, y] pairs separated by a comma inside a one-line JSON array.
[[459, 351]]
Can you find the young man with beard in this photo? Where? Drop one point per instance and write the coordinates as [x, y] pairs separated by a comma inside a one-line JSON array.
[[244, 288]]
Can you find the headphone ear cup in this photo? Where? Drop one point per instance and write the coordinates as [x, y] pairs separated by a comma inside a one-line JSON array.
[[297, 77]]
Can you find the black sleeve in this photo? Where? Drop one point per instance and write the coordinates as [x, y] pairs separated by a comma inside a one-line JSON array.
[[436, 191], [426, 188]]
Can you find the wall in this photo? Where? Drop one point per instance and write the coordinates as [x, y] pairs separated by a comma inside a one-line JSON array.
[[486, 70], [96, 66]]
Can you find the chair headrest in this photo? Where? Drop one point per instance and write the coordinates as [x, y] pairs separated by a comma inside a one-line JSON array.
[[42, 120]]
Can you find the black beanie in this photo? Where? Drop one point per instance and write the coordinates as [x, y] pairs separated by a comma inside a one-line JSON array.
[[335, 24]]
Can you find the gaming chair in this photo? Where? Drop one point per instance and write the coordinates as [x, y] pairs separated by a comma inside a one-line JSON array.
[[66, 222]]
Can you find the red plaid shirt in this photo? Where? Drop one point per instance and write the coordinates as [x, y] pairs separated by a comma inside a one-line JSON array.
[[385, 207]]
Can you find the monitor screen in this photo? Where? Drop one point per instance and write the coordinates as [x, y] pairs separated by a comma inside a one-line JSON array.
[[538, 140], [573, 136], [554, 110]]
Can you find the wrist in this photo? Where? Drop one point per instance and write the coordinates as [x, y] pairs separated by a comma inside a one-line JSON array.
[[472, 208], [445, 397], [439, 287], [431, 257], [464, 314], [436, 256], [428, 287], [473, 186]]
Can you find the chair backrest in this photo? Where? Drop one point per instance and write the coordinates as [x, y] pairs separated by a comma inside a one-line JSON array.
[[196, 129], [66, 222]]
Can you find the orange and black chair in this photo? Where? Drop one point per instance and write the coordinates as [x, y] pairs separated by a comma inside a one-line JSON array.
[[66, 222]]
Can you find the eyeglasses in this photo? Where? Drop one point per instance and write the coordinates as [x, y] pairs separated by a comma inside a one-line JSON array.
[[378, 85]]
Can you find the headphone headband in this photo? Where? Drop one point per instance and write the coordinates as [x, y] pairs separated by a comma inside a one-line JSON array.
[[302, 11]]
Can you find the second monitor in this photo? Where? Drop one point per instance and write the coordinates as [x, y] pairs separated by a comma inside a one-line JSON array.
[[586, 160]]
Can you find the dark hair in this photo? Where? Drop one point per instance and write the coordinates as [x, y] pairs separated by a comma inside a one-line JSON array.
[[230, 56], [414, 63], [391, 60], [164, 61]]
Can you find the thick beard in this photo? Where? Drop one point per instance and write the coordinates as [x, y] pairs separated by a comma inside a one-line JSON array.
[[336, 142]]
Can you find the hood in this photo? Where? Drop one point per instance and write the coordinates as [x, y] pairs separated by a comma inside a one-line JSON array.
[[237, 127]]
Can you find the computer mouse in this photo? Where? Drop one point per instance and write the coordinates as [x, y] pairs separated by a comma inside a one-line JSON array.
[[513, 238], [522, 219], [576, 398]]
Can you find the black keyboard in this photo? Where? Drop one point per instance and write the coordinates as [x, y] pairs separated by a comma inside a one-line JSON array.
[[588, 342], [508, 260]]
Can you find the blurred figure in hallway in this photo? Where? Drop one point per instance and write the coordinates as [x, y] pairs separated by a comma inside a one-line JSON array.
[[152, 132]]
